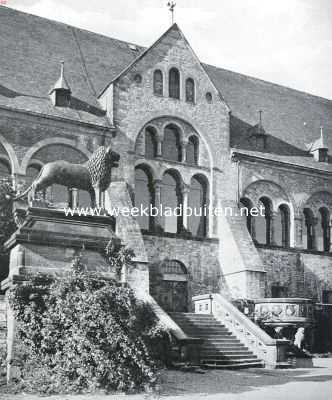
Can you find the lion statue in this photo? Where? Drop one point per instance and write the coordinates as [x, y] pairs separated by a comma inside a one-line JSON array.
[[94, 176]]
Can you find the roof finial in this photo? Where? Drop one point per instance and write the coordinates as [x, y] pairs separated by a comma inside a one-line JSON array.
[[260, 125], [171, 5], [62, 71], [322, 137]]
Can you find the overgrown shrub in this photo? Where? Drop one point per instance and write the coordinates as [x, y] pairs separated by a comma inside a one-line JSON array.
[[81, 333]]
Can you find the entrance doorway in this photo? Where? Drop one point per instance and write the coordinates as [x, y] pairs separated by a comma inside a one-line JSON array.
[[171, 292]]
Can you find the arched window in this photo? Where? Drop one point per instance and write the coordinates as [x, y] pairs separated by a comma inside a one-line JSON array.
[[246, 206], [309, 236], [190, 90], [144, 195], [192, 150], [158, 85], [174, 83], [33, 170], [170, 199], [282, 226], [171, 144], [173, 267], [150, 142], [5, 169], [323, 230], [263, 222], [196, 201]]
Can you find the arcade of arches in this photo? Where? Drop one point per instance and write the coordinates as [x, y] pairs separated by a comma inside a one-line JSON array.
[[168, 189], [274, 227]]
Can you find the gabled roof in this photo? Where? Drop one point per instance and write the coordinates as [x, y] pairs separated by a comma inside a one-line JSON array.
[[31, 48], [173, 28]]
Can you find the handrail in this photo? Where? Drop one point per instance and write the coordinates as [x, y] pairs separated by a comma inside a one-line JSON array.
[[163, 317], [271, 351]]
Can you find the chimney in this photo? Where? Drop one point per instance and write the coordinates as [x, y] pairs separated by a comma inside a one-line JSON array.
[[60, 93]]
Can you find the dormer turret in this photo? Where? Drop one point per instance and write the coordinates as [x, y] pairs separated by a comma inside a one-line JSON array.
[[319, 148], [60, 93]]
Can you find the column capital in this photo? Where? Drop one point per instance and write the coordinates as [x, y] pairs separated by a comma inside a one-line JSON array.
[[157, 183], [185, 189]]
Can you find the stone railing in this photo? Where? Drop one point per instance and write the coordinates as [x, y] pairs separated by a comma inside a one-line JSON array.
[[271, 351], [188, 348]]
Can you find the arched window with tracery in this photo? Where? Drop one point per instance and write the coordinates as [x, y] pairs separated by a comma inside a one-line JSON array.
[[309, 234], [282, 226], [150, 142], [245, 208], [158, 84], [263, 221], [197, 200], [174, 83], [171, 198], [171, 143], [323, 230], [192, 150], [144, 195], [190, 90]]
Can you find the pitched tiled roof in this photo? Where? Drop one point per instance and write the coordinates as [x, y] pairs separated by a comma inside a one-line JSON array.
[[304, 161], [32, 47], [292, 118]]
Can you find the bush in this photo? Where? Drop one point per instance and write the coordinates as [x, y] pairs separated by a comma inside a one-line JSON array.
[[81, 333]]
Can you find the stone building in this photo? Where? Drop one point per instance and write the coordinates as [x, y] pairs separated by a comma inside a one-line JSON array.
[[188, 133]]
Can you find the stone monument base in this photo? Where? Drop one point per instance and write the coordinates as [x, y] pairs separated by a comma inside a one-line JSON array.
[[47, 242]]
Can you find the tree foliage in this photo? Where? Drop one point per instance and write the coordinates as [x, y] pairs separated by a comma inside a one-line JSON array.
[[81, 333]]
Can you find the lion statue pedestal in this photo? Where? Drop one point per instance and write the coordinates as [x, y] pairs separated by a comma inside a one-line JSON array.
[[47, 241]]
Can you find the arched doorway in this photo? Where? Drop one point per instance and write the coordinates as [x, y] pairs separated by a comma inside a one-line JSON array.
[[170, 286]]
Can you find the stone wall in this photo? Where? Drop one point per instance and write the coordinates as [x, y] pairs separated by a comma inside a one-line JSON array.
[[199, 257], [304, 274]]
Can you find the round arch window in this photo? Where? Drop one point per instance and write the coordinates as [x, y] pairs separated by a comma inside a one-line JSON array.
[[208, 97]]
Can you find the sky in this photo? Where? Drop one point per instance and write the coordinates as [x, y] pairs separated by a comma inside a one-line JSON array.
[[283, 41]]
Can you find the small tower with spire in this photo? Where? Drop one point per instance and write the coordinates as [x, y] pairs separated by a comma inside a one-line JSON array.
[[319, 148], [258, 135], [60, 93]]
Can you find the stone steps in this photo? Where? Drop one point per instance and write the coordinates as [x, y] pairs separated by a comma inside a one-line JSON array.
[[220, 348]]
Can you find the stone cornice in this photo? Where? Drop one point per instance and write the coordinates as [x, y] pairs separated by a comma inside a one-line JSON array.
[[281, 164]]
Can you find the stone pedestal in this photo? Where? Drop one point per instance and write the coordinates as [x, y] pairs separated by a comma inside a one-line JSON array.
[[46, 242]]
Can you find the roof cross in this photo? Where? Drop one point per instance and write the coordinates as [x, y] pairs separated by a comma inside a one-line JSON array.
[[171, 5]]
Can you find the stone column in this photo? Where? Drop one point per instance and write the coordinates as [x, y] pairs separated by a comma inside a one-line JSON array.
[[73, 198], [159, 146], [313, 233], [273, 216], [157, 224], [183, 146], [185, 189], [298, 231]]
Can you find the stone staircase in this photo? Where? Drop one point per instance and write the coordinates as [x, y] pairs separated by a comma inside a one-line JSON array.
[[220, 349]]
